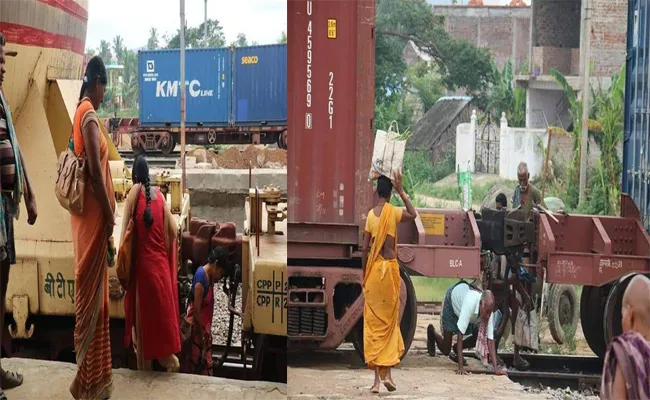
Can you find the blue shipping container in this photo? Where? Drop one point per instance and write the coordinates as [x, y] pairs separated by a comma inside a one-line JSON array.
[[260, 94], [208, 87], [636, 175]]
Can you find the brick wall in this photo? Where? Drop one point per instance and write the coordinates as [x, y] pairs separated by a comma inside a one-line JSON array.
[[504, 30], [557, 23], [546, 58], [608, 36]]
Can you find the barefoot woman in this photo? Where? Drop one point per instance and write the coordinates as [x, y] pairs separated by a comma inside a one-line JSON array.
[[90, 233], [382, 339]]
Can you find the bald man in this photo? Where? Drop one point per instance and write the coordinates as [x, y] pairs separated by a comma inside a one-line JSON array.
[[464, 307], [626, 374], [526, 195]]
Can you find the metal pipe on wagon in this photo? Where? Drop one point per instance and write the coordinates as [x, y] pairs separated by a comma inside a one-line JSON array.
[[182, 78]]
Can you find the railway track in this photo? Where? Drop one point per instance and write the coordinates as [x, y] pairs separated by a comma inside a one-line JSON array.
[[582, 373], [429, 307], [154, 159], [233, 367]]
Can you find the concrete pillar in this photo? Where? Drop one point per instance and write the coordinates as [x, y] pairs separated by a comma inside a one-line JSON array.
[[472, 142], [505, 147], [466, 145]]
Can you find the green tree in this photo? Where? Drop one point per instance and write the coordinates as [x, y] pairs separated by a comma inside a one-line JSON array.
[[504, 98], [389, 69], [395, 109], [105, 51], [283, 37], [426, 82], [240, 41], [130, 79], [118, 48], [461, 64], [152, 43], [608, 109], [194, 37]]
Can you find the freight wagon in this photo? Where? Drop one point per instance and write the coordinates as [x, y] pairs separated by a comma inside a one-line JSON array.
[[636, 141], [331, 115], [233, 96]]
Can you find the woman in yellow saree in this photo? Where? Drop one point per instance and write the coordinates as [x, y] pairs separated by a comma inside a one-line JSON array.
[[382, 339]]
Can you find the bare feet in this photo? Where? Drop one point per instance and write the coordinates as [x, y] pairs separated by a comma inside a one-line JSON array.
[[375, 388], [390, 385]]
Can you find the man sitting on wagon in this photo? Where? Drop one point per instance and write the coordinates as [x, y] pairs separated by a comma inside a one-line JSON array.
[[463, 308], [526, 196]]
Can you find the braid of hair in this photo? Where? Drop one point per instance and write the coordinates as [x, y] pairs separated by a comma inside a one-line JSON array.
[[148, 218]]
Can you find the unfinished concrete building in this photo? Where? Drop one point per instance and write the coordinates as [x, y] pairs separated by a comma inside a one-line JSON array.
[[557, 42]]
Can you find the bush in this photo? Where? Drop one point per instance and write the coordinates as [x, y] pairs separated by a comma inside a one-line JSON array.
[[420, 169], [419, 172]]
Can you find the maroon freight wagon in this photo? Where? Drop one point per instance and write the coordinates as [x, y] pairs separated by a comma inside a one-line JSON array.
[[330, 111]]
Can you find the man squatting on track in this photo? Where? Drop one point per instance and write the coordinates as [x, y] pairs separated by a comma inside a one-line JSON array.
[[464, 306]]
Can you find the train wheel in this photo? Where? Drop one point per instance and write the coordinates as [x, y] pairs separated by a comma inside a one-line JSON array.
[[591, 318], [283, 138], [407, 324], [268, 364], [562, 311], [171, 144], [613, 308], [279, 142]]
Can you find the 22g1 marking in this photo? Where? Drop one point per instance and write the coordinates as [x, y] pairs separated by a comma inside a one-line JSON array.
[[330, 103]]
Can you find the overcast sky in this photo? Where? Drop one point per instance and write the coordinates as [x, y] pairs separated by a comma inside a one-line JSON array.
[[261, 20]]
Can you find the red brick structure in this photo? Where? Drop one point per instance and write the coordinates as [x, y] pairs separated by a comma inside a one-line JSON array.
[[504, 30]]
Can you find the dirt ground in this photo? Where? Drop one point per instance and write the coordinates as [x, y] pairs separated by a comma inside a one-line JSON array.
[[340, 374], [232, 158]]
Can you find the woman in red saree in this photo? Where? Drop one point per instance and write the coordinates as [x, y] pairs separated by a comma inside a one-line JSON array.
[[91, 231], [151, 302], [197, 324]]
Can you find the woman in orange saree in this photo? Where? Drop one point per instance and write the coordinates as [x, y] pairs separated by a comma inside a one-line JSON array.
[[91, 231], [382, 340]]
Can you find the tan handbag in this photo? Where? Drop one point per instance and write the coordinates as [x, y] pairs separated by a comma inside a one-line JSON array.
[[125, 254], [70, 181]]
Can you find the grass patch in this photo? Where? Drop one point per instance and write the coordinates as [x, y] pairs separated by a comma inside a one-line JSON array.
[[431, 289], [450, 192]]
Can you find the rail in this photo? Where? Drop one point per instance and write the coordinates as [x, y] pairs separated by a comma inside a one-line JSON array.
[[582, 373]]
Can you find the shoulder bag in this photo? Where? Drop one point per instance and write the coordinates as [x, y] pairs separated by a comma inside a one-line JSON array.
[[71, 178]]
